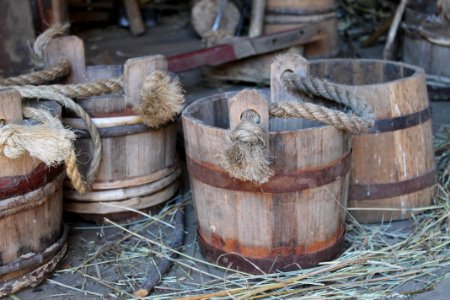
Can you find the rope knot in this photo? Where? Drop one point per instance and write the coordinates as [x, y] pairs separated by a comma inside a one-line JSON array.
[[8, 147], [162, 99], [49, 141], [243, 157]]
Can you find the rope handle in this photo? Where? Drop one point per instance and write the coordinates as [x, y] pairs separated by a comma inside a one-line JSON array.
[[342, 94]]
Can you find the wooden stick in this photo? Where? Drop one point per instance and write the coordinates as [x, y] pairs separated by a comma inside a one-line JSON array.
[[257, 18], [134, 16], [388, 49]]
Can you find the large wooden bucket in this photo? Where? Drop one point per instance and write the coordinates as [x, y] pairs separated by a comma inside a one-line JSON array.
[[393, 166], [33, 236], [296, 219], [139, 167]]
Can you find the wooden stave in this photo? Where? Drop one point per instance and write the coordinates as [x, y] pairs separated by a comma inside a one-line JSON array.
[[410, 84], [43, 203], [218, 237], [113, 171]]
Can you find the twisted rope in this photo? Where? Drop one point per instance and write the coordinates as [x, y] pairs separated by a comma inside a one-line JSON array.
[[72, 169], [332, 91], [90, 89], [53, 73], [310, 111]]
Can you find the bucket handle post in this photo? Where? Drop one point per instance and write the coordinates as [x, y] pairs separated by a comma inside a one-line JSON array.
[[70, 48], [249, 99], [287, 62], [245, 156], [11, 108]]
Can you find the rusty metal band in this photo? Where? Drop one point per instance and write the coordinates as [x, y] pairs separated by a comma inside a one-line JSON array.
[[386, 125], [114, 131], [389, 190], [268, 265], [279, 183], [12, 186]]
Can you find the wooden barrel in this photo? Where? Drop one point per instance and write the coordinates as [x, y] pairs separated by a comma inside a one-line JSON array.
[[427, 45], [283, 15], [139, 167], [393, 166], [33, 236], [297, 218]]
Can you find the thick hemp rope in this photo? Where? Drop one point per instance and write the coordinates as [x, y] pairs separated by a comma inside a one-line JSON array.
[[332, 91], [53, 73], [161, 96], [89, 89], [49, 141], [243, 156], [41, 92]]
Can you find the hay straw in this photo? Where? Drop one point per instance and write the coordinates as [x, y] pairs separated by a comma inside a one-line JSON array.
[[393, 260]]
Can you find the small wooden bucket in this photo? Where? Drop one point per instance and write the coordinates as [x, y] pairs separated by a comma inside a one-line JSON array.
[[393, 166], [33, 236], [139, 167], [297, 218]]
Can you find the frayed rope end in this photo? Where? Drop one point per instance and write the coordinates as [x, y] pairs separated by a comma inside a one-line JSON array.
[[162, 99]]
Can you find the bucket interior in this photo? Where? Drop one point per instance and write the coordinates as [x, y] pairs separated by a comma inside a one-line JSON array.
[[360, 72], [213, 111]]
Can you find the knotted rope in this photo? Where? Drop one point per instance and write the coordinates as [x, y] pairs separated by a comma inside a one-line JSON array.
[[161, 95], [42, 92], [49, 141], [243, 156], [162, 99]]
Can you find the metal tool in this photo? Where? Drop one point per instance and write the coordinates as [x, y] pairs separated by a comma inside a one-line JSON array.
[[219, 15]]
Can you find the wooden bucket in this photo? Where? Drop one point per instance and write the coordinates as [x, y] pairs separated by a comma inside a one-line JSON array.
[[297, 218], [280, 16], [139, 167], [428, 46], [393, 166], [33, 236]]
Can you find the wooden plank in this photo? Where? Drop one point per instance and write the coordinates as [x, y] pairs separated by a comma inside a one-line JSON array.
[[243, 48]]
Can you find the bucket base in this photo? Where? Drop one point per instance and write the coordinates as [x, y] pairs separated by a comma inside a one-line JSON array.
[[32, 271], [269, 265]]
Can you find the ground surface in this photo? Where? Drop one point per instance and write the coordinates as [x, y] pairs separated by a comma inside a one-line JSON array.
[[115, 45]]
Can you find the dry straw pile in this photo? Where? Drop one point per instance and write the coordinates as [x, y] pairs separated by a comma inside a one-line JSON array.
[[382, 261]]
